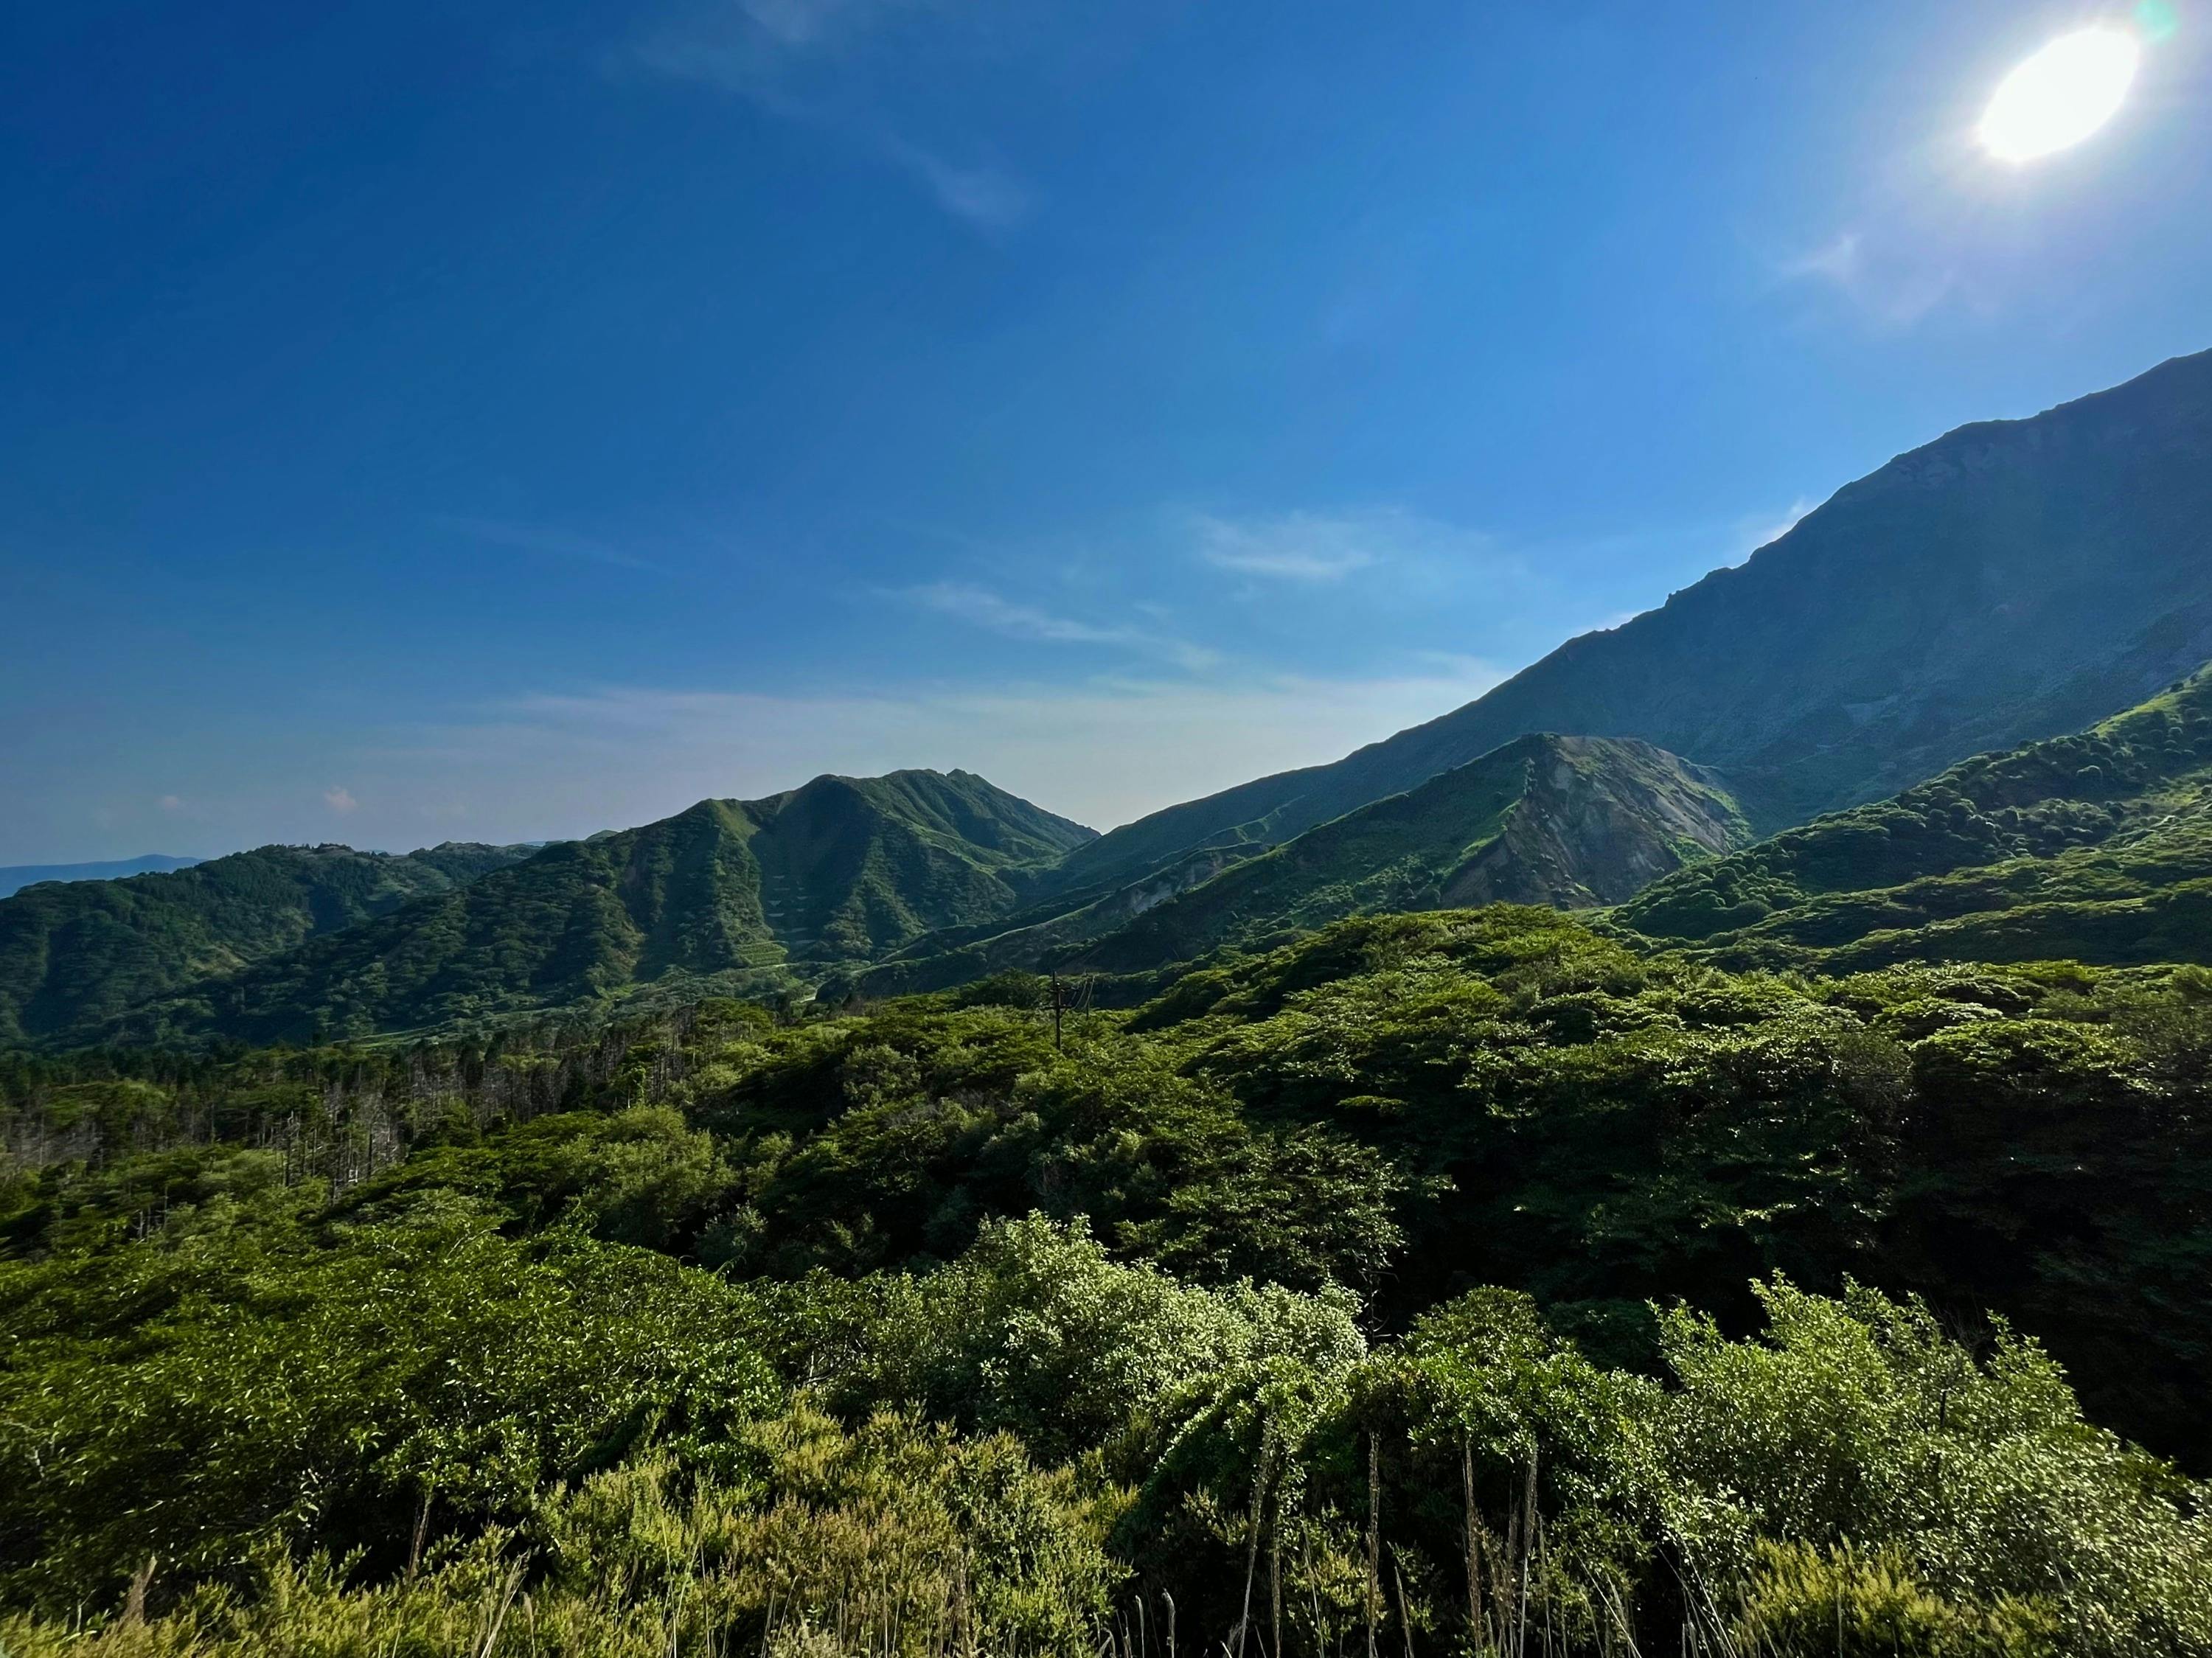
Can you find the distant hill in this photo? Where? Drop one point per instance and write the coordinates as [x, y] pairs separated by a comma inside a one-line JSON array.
[[75, 955], [2094, 847], [734, 896], [1567, 822], [15, 878], [2009, 581]]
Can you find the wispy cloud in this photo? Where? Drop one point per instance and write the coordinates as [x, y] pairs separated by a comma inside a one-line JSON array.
[[1310, 549], [802, 60], [546, 541], [339, 800], [1891, 292], [986, 197], [567, 763], [985, 607]]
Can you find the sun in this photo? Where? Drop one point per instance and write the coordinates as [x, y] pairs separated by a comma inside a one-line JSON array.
[[2061, 95]]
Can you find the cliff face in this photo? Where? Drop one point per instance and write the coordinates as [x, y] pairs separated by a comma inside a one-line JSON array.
[[1598, 821]]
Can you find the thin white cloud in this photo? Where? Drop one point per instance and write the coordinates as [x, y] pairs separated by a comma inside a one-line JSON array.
[[565, 764], [986, 607], [170, 803], [1321, 549], [545, 539], [1893, 292], [986, 197], [340, 799], [799, 60]]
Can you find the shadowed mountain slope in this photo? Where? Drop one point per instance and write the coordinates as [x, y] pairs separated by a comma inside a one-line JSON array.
[[2096, 847], [2011, 580], [74, 953], [1567, 822], [727, 895]]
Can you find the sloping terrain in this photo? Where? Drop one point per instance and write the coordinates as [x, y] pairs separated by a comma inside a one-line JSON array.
[[728, 895], [2009, 581], [2096, 847], [73, 955], [1566, 822], [15, 877]]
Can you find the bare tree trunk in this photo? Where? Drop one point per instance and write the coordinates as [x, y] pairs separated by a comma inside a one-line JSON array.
[[1473, 1550], [1252, 1536], [1373, 1534], [1275, 1580]]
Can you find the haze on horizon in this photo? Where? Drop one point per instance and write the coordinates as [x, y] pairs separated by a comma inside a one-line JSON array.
[[505, 424]]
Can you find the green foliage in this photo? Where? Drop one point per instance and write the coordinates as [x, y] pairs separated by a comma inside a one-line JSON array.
[[74, 955], [237, 1378], [1419, 1201], [1857, 1421], [2096, 847], [1035, 1330], [892, 1537], [1846, 1602]]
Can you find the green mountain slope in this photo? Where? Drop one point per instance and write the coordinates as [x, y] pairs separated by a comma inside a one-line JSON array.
[[1566, 822], [2096, 847], [743, 896], [74, 954], [2009, 581]]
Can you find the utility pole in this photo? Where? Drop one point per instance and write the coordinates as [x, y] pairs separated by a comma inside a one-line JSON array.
[[1058, 1002]]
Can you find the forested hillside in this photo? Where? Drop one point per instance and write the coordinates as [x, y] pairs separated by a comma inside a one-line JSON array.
[[75, 955], [1403, 1278], [721, 897], [15, 878], [1569, 822], [2096, 845], [2011, 580]]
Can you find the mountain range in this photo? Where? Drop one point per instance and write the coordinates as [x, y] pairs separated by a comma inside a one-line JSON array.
[[1983, 596], [75, 953], [738, 897], [1567, 822], [2013, 579]]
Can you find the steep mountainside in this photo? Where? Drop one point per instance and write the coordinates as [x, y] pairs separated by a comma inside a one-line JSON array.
[[74, 954], [732, 895], [15, 877], [2096, 847], [2011, 580], [1567, 822]]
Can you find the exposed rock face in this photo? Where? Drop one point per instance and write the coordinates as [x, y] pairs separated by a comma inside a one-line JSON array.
[[1599, 822]]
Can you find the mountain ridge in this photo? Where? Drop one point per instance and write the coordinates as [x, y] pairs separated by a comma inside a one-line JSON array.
[[723, 897], [2096, 846], [75, 953], [13, 878], [1970, 619], [1561, 821]]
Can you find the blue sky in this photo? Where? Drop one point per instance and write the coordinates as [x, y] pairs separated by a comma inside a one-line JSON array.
[[502, 420]]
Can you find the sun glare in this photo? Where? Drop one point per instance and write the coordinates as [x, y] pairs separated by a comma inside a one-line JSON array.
[[2061, 95]]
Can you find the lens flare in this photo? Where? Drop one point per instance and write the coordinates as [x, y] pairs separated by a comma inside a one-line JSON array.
[[2061, 95]]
